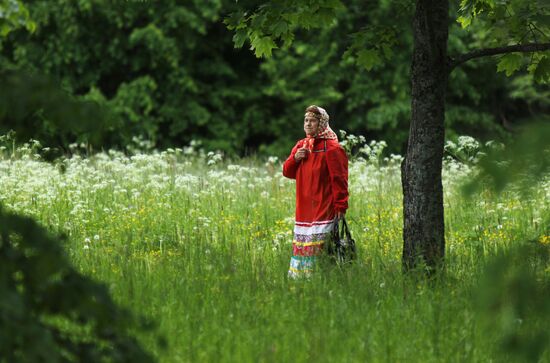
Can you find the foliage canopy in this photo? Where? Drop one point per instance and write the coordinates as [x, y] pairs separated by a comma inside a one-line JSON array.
[[169, 71]]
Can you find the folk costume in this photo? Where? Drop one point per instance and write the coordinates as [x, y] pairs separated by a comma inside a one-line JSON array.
[[321, 192]]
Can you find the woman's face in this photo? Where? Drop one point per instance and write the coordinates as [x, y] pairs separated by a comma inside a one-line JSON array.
[[311, 125]]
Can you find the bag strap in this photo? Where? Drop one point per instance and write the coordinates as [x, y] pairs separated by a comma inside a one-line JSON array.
[[345, 228], [336, 228], [341, 229]]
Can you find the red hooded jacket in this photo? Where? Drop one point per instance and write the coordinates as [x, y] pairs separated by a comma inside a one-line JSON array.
[[321, 180]]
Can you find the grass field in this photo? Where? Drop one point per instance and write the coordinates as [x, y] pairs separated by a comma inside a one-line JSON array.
[[201, 246]]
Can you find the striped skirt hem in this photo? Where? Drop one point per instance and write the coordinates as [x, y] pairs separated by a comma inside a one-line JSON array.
[[307, 247]]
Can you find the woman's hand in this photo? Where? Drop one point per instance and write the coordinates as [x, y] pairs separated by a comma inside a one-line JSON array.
[[301, 154]]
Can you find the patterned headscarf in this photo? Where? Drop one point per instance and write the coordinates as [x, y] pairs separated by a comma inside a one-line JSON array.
[[325, 132]]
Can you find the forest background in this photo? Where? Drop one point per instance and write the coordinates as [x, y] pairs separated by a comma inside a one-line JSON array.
[[166, 74], [169, 72]]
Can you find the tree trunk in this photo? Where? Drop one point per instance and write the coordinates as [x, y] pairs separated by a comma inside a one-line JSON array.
[[423, 229]]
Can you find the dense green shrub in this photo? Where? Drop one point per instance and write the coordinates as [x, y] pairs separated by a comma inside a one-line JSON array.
[[49, 312]]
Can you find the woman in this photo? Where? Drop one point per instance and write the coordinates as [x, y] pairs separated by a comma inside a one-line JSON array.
[[320, 167]]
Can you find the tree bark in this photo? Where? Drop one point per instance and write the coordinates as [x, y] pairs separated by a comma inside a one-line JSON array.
[[423, 229]]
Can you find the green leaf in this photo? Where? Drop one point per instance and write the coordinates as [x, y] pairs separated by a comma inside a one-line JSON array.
[[240, 37], [542, 72], [4, 30], [287, 38], [500, 33], [236, 20], [308, 22], [464, 21], [258, 20], [335, 4], [368, 58], [263, 46], [280, 28], [325, 16], [31, 26], [510, 63], [387, 50]]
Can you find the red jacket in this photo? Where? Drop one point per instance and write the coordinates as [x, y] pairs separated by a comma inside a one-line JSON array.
[[321, 180]]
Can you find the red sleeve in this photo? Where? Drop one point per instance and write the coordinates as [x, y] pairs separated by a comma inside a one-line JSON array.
[[337, 162], [290, 166]]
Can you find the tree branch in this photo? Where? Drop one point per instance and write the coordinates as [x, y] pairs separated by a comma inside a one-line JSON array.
[[523, 48]]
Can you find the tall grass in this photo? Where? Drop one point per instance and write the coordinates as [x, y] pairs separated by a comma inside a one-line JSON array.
[[201, 246]]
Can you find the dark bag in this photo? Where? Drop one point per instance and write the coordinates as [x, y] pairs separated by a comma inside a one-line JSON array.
[[341, 246]]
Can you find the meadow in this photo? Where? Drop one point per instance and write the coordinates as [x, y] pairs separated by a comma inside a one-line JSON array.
[[200, 245]]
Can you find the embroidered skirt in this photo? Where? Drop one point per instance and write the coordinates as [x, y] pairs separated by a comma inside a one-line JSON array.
[[307, 246]]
